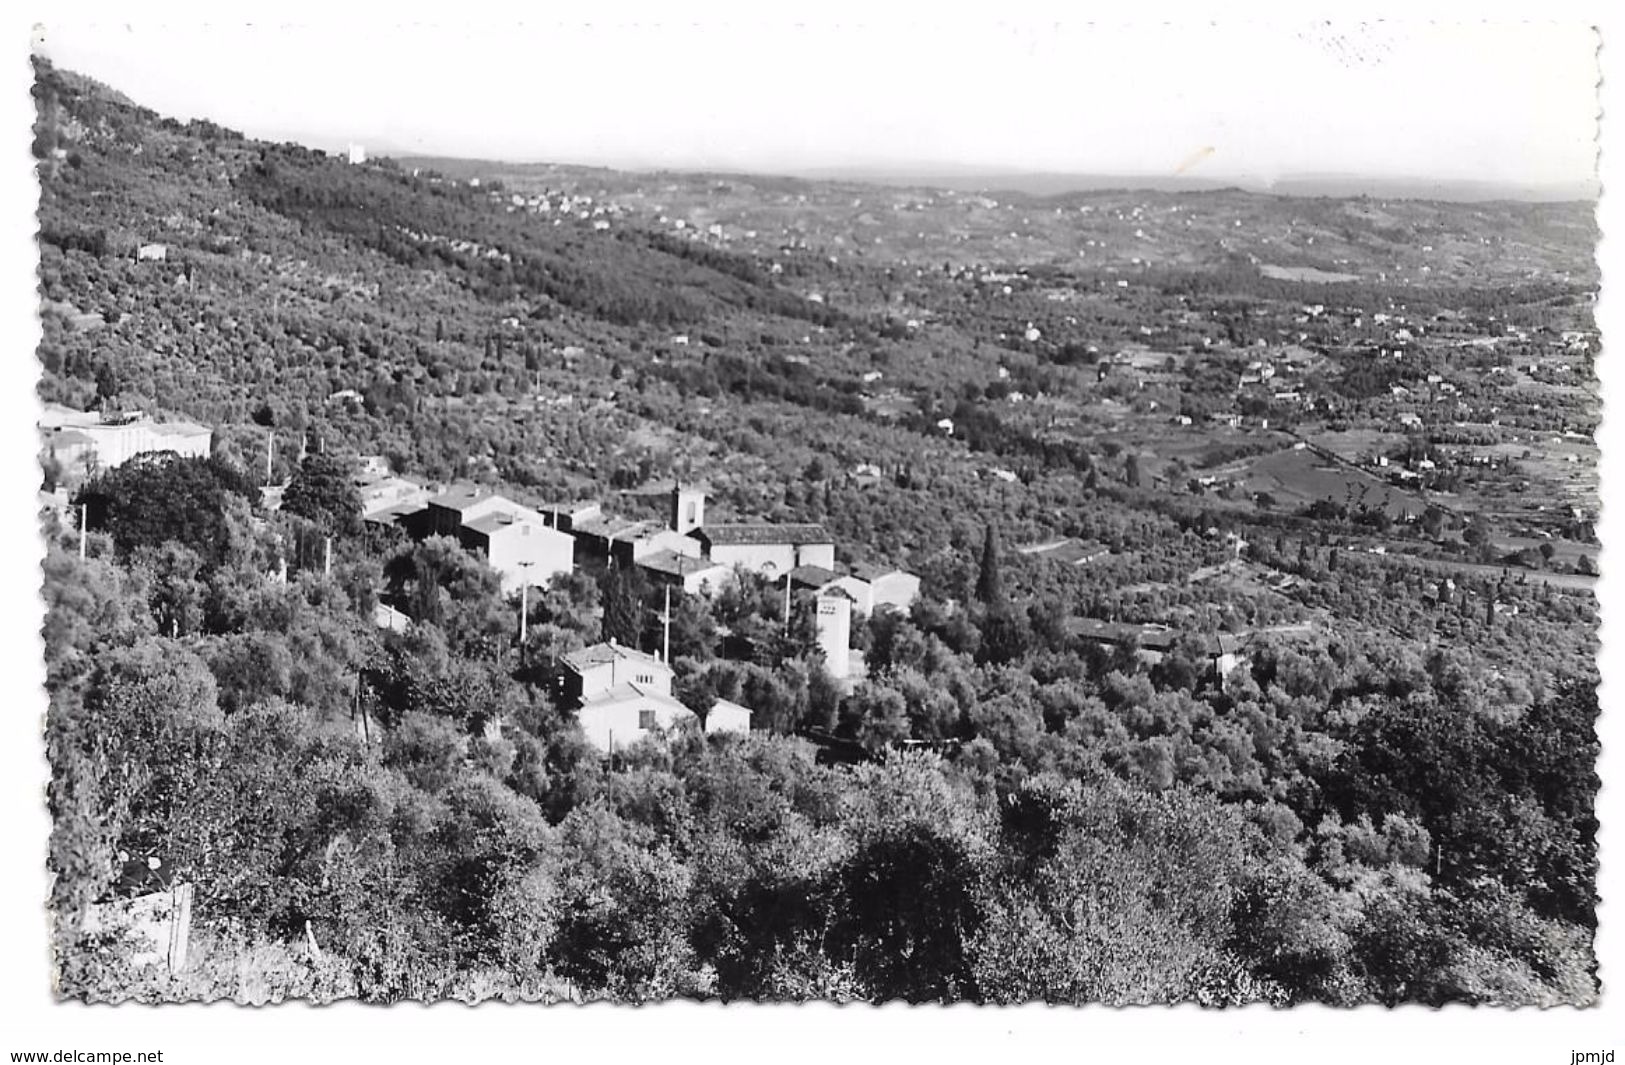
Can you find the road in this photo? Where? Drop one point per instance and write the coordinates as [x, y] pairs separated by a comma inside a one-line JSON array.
[[1578, 582]]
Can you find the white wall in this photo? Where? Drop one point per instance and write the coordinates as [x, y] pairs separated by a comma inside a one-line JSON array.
[[620, 720], [896, 589], [547, 550], [835, 634], [651, 675], [727, 717], [781, 557]]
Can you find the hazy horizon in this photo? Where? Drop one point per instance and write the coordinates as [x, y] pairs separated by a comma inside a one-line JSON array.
[[1496, 106]]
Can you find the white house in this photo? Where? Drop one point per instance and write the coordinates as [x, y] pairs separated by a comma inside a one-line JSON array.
[[622, 694], [872, 587], [520, 547], [517, 542], [94, 445], [725, 716], [622, 716], [693, 575], [766, 548]]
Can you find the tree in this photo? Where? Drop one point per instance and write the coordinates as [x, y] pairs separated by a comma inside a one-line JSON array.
[[623, 592], [158, 497], [989, 584], [323, 491]]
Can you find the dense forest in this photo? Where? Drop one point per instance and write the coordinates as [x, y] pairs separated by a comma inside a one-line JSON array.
[[1392, 803]]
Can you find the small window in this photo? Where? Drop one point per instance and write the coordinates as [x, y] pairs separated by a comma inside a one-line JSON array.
[[691, 512], [646, 719]]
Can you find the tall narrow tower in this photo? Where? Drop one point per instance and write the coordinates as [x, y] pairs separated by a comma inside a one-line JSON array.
[[687, 508], [835, 633]]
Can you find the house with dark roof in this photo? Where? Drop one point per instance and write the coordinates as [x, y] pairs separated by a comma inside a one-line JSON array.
[[869, 587], [872, 587], [596, 669], [626, 540], [691, 574], [1152, 642]]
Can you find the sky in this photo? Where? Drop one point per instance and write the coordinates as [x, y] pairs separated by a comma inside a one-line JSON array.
[[1499, 102]]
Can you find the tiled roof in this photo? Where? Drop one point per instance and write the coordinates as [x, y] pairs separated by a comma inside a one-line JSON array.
[[393, 513], [622, 693], [600, 654], [618, 528], [813, 576], [764, 533], [459, 496], [675, 565], [726, 704], [865, 572], [487, 524]]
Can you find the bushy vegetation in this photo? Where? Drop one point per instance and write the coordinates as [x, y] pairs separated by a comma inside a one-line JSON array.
[[1392, 803]]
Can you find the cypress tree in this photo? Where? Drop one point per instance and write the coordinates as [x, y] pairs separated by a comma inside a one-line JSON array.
[[989, 585]]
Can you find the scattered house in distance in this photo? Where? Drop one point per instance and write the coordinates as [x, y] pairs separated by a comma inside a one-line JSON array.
[[151, 253], [1068, 551], [1152, 643], [1224, 651], [389, 619]]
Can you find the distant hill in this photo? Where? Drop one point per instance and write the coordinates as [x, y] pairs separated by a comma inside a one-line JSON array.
[[1044, 184], [291, 277]]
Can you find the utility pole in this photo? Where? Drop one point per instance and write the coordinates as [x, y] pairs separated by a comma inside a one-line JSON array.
[[84, 526], [524, 610], [665, 618], [327, 557], [270, 444], [786, 600]]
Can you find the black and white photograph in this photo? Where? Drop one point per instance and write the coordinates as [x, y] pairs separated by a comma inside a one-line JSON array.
[[1080, 513]]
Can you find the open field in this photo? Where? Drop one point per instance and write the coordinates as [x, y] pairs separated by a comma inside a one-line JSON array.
[[1297, 477]]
